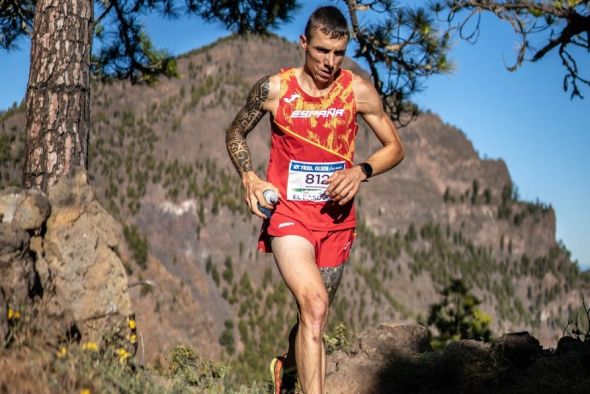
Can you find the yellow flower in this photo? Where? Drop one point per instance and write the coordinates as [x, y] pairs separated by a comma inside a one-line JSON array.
[[132, 338], [12, 314], [61, 353], [90, 346], [85, 391], [123, 354], [132, 324]]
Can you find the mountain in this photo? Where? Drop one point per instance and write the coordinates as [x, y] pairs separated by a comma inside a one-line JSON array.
[[158, 162]]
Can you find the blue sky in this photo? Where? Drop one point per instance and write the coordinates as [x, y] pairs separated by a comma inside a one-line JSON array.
[[524, 117]]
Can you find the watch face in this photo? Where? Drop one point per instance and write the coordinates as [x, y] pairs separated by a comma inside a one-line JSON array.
[[367, 169]]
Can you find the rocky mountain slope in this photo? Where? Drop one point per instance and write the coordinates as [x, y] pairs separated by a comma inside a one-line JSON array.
[[157, 161]]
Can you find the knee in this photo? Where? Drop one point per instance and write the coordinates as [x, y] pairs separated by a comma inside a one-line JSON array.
[[314, 310]]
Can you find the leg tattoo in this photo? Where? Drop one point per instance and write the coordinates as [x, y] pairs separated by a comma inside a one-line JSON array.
[[331, 277]]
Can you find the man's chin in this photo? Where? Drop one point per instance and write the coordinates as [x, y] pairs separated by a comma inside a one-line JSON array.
[[324, 77]]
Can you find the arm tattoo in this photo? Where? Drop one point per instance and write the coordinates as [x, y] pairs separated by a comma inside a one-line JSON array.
[[244, 122]]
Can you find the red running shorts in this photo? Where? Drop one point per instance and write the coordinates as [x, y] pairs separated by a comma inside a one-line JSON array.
[[332, 248]]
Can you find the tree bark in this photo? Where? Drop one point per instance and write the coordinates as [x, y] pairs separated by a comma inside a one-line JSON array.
[[58, 92]]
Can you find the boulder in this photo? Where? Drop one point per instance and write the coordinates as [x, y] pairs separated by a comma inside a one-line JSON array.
[[21, 212], [62, 251], [394, 338], [28, 209], [17, 272], [518, 348], [14, 243], [462, 364], [367, 367], [569, 344], [80, 247]]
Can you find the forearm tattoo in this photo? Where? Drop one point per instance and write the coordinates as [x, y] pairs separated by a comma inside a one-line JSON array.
[[244, 122], [331, 277]]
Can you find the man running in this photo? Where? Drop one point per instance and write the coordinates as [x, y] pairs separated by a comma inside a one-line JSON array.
[[313, 120]]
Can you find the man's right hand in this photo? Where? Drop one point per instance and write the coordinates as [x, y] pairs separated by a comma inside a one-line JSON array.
[[254, 188]]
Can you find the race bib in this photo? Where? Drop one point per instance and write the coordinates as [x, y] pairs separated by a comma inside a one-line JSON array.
[[308, 181]]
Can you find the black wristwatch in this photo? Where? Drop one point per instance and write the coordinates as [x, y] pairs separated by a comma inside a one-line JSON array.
[[367, 169]]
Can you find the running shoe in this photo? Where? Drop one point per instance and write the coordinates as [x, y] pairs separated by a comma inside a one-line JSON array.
[[276, 372], [283, 381]]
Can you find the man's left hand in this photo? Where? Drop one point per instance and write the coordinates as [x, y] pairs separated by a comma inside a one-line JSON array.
[[344, 184]]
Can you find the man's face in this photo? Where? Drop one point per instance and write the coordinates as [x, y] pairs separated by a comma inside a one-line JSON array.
[[323, 55]]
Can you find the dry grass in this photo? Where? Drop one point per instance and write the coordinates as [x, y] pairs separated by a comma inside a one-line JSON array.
[[33, 361]]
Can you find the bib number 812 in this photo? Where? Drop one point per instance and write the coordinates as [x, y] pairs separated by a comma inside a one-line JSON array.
[[318, 179]]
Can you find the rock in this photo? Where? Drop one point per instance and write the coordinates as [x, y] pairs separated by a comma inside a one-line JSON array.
[[71, 268], [80, 249], [517, 348], [466, 351], [463, 361], [394, 338], [14, 242], [569, 344], [28, 208], [17, 272], [21, 212], [369, 364]]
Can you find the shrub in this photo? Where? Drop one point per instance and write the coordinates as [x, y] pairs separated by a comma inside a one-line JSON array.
[[457, 316], [187, 366], [339, 339], [138, 244], [227, 337]]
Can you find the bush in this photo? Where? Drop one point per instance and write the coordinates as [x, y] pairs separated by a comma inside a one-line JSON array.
[[339, 339], [457, 316], [187, 366], [227, 337], [138, 244]]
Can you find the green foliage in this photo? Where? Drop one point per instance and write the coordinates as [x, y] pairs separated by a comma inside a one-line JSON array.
[[138, 244], [215, 275], [208, 264], [456, 316], [227, 339], [474, 191], [5, 149], [505, 207], [15, 21], [251, 16], [228, 272], [188, 367], [338, 339], [411, 235], [487, 195], [402, 46]]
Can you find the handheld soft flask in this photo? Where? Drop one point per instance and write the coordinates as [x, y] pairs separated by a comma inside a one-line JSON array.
[[271, 197]]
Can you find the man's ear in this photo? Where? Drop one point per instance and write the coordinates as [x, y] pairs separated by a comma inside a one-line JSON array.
[[303, 42]]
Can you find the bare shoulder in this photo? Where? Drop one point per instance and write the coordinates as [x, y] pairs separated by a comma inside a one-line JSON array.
[[274, 86], [366, 97], [271, 84]]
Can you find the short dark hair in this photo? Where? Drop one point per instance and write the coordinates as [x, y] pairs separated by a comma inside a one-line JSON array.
[[329, 20]]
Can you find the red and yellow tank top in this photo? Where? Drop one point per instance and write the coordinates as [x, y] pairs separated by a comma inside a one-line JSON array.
[[311, 138]]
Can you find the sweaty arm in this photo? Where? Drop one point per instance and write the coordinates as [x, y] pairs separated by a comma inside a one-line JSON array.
[[257, 104], [345, 184]]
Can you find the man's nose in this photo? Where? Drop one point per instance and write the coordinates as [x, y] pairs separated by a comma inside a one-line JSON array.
[[330, 60]]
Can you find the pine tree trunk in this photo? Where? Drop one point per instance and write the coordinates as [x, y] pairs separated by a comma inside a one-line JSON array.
[[58, 92]]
